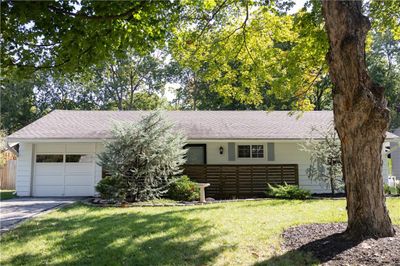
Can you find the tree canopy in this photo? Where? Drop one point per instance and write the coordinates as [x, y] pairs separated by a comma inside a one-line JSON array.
[[72, 35], [223, 54]]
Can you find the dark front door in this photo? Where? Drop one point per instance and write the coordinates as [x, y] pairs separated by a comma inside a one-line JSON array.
[[196, 154]]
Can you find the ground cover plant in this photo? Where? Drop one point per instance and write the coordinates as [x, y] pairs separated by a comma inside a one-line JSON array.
[[286, 191], [238, 233], [7, 194], [391, 190]]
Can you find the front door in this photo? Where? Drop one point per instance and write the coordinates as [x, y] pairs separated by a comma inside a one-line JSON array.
[[196, 154]]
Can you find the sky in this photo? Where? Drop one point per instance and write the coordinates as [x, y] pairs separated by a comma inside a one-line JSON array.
[[299, 4]]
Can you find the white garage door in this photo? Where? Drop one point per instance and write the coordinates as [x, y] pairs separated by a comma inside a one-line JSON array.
[[66, 174]]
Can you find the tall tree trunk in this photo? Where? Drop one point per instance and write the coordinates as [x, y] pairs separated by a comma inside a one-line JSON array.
[[361, 119]]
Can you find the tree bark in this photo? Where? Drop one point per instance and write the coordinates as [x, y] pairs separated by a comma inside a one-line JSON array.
[[361, 119]]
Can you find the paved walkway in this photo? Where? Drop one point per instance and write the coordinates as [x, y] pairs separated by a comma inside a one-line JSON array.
[[14, 211]]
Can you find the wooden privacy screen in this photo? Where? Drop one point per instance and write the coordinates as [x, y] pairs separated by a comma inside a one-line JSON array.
[[239, 181]]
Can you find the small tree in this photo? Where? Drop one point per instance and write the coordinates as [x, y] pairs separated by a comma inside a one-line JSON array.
[[142, 158], [325, 156]]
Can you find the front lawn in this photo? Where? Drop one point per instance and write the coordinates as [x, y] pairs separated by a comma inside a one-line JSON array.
[[238, 233], [7, 194]]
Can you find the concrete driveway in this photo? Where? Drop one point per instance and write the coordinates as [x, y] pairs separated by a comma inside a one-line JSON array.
[[14, 211]]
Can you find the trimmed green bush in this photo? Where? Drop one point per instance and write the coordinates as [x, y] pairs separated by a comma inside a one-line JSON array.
[[183, 189], [109, 188], [389, 190], [287, 192], [386, 189]]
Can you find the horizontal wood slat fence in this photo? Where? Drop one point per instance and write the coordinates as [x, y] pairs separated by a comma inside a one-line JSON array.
[[8, 174], [239, 181]]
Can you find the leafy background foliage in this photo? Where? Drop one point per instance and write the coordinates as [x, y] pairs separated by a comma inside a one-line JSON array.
[[218, 54]]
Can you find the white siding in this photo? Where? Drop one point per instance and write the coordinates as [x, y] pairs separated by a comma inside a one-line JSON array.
[[396, 156], [24, 170], [385, 164]]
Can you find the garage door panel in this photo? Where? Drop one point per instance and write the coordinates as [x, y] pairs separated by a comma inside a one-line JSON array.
[[48, 191], [77, 180], [48, 180], [75, 191], [79, 168], [50, 148], [49, 169], [80, 148]]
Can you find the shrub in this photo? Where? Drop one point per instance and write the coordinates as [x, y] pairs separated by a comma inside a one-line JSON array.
[[386, 189], [109, 188], [325, 160], [389, 190], [287, 192], [183, 189], [141, 159]]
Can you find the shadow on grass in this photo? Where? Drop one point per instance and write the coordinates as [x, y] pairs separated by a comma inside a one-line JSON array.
[[268, 202], [318, 251], [123, 238]]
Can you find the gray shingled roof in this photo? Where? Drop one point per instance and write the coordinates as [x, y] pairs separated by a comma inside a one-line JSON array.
[[195, 124]]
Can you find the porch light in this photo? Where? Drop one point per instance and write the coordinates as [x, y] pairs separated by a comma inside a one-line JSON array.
[[221, 150]]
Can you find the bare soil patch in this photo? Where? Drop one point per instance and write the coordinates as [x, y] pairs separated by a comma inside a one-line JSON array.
[[327, 244]]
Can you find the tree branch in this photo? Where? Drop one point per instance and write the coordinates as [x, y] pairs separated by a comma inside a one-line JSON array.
[[123, 15]]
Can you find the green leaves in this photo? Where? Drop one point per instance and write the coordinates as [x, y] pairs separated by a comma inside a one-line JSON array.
[[253, 50], [386, 16], [71, 36]]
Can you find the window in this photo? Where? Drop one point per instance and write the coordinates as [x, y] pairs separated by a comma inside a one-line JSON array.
[[244, 151], [251, 151], [49, 158], [257, 151], [78, 158]]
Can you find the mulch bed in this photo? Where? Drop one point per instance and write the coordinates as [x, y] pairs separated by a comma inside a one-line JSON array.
[[326, 243]]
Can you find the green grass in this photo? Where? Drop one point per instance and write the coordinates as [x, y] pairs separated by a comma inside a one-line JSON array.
[[7, 194], [236, 233]]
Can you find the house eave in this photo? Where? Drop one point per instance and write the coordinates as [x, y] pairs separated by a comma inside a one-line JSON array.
[[13, 141]]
